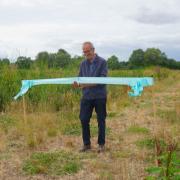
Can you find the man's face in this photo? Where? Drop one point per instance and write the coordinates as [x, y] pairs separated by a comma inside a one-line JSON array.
[[88, 51]]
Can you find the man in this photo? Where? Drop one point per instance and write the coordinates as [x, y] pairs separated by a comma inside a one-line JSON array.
[[94, 96]]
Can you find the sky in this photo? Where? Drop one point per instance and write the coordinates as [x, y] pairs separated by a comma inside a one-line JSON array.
[[116, 27]]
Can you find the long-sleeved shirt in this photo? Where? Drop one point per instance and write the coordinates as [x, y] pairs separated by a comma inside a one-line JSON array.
[[98, 68]]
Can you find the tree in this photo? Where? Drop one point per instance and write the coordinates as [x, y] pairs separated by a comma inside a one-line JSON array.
[[123, 65], [24, 62], [63, 58], [52, 60], [42, 59], [163, 60], [4, 62], [172, 64], [153, 56], [137, 58], [113, 62]]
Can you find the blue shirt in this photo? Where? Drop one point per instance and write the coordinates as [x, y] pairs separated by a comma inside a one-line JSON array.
[[98, 68]]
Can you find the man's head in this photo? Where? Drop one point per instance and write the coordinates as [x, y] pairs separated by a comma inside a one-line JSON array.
[[88, 50]]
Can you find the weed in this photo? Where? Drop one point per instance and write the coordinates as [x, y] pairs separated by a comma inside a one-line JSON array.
[[168, 168]]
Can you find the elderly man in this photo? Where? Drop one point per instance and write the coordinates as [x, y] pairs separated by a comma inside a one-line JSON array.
[[94, 96]]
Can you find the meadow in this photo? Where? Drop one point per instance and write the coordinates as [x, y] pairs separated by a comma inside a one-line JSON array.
[[41, 134]]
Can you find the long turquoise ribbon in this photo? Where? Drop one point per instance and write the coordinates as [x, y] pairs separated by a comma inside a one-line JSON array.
[[136, 84]]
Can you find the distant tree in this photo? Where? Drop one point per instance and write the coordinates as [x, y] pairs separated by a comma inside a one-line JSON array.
[[42, 59], [172, 64], [24, 62], [153, 56], [52, 60], [4, 62], [123, 65], [113, 62], [63, 58], [137, 58], [163, 60]]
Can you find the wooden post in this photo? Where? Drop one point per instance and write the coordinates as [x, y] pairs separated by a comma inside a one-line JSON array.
[[24, 112]]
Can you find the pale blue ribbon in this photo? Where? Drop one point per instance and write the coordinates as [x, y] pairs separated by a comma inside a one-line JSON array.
[[136, 84]]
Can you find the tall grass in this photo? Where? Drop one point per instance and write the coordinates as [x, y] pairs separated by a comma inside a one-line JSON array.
[[58, 95]]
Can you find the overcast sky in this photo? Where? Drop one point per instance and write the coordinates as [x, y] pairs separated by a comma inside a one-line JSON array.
[[114, 26]]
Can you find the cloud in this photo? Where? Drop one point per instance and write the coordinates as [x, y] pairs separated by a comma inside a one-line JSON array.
[[156, 17], [116, 27]]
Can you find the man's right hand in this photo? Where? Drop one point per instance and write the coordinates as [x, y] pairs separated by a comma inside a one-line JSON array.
[[75, 85]]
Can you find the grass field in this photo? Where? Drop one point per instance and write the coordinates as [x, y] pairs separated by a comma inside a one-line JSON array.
[[40, 139]]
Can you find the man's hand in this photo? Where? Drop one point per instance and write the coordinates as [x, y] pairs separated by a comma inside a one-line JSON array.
[[75, 85]]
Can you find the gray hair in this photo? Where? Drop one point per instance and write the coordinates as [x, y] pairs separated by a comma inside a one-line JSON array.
[[90, 43]]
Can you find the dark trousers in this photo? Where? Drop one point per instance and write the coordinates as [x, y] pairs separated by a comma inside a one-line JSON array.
[[86, 110]]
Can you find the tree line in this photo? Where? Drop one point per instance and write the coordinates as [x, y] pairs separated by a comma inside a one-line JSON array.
[[62, 59], [140, 59]]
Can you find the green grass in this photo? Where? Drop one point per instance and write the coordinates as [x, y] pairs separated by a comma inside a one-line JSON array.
[[149, 143], [52, 163], [137, 129], [72, 129]]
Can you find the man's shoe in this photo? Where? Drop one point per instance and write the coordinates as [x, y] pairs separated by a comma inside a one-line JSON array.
[[101, 148], [85, 148]]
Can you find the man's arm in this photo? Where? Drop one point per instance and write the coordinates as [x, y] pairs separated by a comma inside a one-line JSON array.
[[103, 73]]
